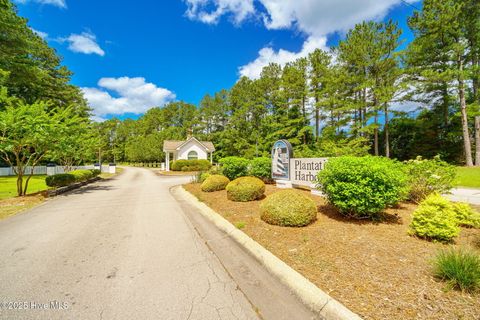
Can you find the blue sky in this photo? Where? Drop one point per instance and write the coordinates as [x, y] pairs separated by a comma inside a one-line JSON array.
[[130, 56]]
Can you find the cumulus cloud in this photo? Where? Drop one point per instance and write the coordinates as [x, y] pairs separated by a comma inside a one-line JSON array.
[[314, 18], [210, 11], [41, 34], [269, 55], [131, 95], [86, 42], [57, 3]]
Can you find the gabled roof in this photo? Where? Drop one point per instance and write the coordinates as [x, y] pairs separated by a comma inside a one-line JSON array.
[[174, 145]]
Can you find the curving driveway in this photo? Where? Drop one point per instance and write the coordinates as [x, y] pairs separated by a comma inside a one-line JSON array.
[[116, 249]]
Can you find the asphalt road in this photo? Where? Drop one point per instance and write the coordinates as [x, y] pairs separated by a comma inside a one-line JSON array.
[[116, 249]]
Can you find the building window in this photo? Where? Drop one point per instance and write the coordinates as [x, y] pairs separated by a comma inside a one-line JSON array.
[[192, 155]]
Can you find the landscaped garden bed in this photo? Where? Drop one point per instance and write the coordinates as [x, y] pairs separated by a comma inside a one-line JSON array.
[[376, 269]]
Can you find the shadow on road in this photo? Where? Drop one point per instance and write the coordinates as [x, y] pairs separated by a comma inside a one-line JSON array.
[[90, 189]]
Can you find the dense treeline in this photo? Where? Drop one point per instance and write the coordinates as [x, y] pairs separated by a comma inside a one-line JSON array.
[[42, 116], [345, 101]]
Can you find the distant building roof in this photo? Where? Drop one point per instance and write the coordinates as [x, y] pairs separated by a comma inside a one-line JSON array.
[[173, 145]]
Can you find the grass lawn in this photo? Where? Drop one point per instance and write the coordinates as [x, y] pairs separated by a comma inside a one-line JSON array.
[[8, 186], [468, 177]]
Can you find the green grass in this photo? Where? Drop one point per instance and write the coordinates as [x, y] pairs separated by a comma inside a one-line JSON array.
[[8, 186], [468, 177], [459, 268]]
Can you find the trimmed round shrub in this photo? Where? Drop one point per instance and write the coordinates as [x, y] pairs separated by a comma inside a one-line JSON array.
[[288, 208], [362, 187], [245, 189], [261, 168], [60, 180], [215, 182], [234, 167], [435, 219], [427, 176], [460, 268]]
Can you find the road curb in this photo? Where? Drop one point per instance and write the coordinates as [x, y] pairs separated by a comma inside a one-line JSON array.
[[313, 297]]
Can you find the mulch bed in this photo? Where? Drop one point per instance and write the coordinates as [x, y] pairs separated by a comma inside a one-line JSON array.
[[375, 269]]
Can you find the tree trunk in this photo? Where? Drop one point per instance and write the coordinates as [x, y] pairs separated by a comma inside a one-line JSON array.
[[387, 138], [375, 130], [477, 141], [375, 134], [317, 123], [445, 104], [463, 106], [19, 184]]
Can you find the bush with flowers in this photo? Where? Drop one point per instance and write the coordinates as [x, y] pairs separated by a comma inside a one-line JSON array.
[[428, 176]]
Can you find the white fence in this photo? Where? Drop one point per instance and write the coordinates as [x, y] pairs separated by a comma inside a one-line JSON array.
[[8, 171]]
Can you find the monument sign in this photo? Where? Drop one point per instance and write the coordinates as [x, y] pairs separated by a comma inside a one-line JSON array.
[[297, 171]]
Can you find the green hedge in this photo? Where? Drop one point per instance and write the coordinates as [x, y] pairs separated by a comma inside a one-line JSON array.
[[60, 180], [82, 175], [190, 165], [362, 187], [65, 179]]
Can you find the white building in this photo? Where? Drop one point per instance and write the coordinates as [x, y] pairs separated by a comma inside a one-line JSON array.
[[187, 150]]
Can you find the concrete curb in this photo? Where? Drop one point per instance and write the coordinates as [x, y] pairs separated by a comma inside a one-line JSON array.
[[313, 297]]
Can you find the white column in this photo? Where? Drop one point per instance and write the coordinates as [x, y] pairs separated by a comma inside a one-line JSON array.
[[211, 157], [167, 161]]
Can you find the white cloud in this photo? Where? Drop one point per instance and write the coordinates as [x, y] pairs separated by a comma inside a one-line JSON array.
[[57, 3], [323, 17], [41, 34], [314, 18], [134, 95], [268, 55], [86, 42], [201, 10]]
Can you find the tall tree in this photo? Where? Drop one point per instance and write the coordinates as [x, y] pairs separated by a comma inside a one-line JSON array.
[[440, 53], [29, 133], [319, 70], [35, 70]]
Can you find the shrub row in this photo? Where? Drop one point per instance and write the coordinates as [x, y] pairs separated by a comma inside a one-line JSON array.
[[190, 165], [65, 179], [235, 167]]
